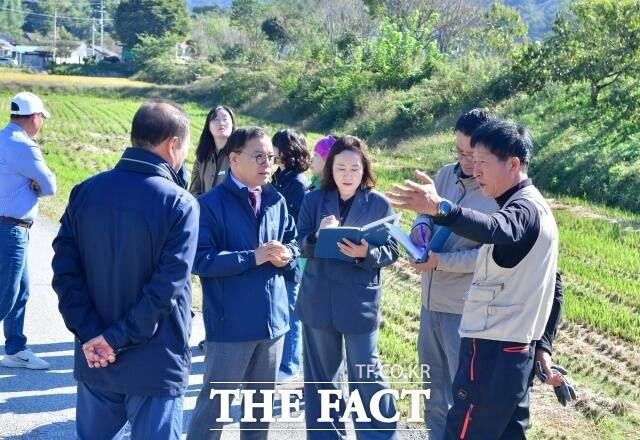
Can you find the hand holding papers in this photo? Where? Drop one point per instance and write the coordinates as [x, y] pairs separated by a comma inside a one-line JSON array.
[[375, 233], [415, 252], [421, 241]]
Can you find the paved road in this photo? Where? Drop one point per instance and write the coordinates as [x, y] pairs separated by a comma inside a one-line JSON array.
[[41, 404]]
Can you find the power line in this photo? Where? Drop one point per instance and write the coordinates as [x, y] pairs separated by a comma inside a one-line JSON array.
[[90, 2], [51, 16]]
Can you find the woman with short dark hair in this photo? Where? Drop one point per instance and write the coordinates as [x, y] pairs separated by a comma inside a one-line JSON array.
[[339, 303], [212, 160], [290, 146]]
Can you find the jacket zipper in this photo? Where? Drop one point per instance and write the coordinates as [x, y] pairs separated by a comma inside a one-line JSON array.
[[472, 372], [472, 376], [464, 191]]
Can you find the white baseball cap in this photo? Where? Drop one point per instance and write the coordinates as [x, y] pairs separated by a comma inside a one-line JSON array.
[[26, 103]]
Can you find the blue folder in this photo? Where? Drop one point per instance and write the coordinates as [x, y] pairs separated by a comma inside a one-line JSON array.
[[375, 233]]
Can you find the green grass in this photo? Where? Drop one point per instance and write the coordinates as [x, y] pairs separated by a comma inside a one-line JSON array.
[[586, 152], [602, 271], [600, 259], [87, 134], [601, 265]]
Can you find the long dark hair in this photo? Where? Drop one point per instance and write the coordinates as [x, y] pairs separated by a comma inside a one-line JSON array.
[[206, 144], [292, 149], [357, 145]]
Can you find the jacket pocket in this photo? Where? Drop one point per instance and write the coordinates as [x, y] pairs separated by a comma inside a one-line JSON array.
[[504, 314], [519, 348], [476, 306]]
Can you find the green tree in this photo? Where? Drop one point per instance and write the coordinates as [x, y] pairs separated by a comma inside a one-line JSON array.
[[500, 32], [156, 61], [40, 17], [150, 17], [80, 29], [151, 47], [376, 8], [11, 17], [275, 31], [247, 14], [38, 23], [596, 41], [207, 9], [401, 55]]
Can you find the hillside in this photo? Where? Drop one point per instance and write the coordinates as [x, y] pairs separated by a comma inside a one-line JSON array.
[[538, 14], [89, 129], [193, 3]]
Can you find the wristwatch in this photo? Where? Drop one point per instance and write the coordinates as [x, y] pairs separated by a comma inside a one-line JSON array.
[[444, 208]]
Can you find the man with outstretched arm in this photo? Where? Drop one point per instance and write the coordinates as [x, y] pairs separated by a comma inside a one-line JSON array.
[[446, 276], [511, 296]]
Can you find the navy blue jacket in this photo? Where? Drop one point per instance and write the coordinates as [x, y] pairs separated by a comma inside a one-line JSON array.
[[336, 294], [293, 185], [122, 265], [242, 301]]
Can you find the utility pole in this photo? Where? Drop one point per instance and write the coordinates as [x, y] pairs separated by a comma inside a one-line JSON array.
[[93, 37], [55, 30], [102, 24]]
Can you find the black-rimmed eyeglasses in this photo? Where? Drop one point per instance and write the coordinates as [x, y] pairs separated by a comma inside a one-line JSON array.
[[261, 159]]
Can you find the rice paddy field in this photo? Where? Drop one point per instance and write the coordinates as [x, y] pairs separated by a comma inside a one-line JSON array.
[[599, 253]]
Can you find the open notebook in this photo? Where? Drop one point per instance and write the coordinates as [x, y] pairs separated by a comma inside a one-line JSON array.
[[376, 233], [417, 253]]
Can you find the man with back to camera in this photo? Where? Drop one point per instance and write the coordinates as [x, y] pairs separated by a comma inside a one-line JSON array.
[[122, 272], [510, 300], [24, 177]]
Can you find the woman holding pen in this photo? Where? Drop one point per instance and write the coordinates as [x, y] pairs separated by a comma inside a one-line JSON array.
[[339, 302]]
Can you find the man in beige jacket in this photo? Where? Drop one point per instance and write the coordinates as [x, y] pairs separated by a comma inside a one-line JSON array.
[[446, 277]]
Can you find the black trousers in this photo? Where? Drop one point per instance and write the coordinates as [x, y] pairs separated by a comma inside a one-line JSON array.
[[491, 391]]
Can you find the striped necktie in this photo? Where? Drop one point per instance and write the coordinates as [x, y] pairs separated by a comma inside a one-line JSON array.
[[254, 202]]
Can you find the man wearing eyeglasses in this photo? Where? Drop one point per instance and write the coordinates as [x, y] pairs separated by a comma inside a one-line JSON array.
[[447, 275], [24, 177], [245, 245]]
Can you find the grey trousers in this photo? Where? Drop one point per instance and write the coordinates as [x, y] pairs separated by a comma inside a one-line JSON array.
[[254, 365], [439, 349], [323, 360]]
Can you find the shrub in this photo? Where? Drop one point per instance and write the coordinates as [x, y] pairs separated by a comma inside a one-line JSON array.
[[239, 86]]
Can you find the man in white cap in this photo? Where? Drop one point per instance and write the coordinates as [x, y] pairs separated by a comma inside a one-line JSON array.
[[24, 177]]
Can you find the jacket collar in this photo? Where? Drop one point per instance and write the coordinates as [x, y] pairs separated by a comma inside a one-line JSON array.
[[502, 199], [283, 177], [469, 182], [143, 161], [331, 206], [13, 127], [267, 192]]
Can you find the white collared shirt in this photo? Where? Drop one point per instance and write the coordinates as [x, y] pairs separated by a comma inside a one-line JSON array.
[[257, 191]]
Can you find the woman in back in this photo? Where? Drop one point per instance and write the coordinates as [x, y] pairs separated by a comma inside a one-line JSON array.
[[290, 146], [212, 160]]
